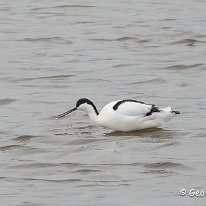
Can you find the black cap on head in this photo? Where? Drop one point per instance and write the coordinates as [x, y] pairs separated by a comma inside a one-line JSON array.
[[82, 101], [79, 102], [87, 101]]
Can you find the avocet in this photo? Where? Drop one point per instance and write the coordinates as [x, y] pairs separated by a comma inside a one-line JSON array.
[[125, 115]]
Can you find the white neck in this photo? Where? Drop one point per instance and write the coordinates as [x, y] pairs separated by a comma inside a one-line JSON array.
[[91, 112], [93, 117]]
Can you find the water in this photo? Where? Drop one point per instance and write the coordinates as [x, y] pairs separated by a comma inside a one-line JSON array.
[[55, 52]]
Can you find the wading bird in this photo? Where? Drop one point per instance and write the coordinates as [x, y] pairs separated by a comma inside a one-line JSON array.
[[125, 115]]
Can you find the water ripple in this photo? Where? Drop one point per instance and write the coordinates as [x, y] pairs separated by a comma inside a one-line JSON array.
[[47, 39], [6, 101], [184, 66], [150, 81], [10, 147], [188, 42], [53, 77], [24, 138]]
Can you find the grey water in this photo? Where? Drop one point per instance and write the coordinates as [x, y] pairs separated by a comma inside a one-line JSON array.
[[54, 52]]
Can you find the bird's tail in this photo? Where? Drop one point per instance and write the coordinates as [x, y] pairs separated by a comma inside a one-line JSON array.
[[176, 112], [167, 114]]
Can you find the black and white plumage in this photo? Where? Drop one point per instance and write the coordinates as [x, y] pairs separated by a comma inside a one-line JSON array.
[[125, 115]]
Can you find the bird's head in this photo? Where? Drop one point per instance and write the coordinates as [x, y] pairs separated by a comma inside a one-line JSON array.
[[83, 104]]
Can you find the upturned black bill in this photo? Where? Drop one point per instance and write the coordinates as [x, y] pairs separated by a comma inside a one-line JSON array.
[[65, 113]]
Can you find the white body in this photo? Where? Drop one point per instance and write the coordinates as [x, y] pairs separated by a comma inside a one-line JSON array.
[[128, 117]]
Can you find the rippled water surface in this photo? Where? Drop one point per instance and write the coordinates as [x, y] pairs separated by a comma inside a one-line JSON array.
[[55, 52]]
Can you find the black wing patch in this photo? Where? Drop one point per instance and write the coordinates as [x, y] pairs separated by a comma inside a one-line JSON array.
[[153, 109], [115, 107]]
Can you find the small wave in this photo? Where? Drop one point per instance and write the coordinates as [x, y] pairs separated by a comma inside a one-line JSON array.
[[188, 42], [86, 171], [34, 165], [184, 66], [156, 80], [41, 10], [55, 77], [46, 39], [41, 179], [100, 184], [74, 6], [23, 138], [164, 168], [10, 147], [125, 38], [113, 182], [133, 164], [168, 19], [85, 141], [137, 133], [6, 101], [84, 22], [24, 148], [171, 144], [164, 165], [154, 135], [123, 65]]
